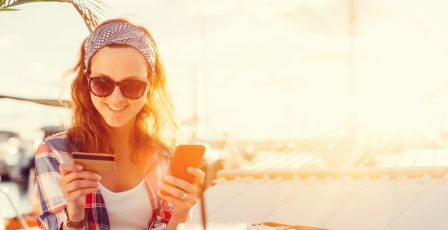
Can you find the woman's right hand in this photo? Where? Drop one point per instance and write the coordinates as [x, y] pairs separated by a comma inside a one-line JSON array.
[[76, 184]]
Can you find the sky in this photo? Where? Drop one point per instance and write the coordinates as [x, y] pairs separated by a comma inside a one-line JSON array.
[[264, 69]]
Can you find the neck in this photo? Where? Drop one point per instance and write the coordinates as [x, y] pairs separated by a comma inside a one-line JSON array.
[[121, 136]]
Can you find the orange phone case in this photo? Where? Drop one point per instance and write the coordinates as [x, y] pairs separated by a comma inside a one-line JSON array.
[[186, 156]]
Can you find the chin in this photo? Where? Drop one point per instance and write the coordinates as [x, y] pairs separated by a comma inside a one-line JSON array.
[[117, 123]]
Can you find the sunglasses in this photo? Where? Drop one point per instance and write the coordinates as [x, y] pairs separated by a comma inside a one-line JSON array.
[[105, 86]]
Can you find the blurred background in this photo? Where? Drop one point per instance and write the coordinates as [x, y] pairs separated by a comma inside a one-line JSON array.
[[331, 83]]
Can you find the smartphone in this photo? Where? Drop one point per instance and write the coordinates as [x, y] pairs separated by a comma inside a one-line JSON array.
[[95, 162], [186, 156]]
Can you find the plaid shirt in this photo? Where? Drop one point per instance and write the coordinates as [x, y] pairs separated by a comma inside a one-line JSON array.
[[51, 153]]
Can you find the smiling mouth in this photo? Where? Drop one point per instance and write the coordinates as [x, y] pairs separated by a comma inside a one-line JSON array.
[[116, 109]]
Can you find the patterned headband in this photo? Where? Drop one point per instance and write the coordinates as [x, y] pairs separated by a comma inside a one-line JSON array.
[[119, 33]]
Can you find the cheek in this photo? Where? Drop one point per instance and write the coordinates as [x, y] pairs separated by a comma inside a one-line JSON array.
[[95, 101], [140, 103]]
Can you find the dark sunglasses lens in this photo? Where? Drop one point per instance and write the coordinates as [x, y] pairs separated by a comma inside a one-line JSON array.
[[132, 88], [102, 86]]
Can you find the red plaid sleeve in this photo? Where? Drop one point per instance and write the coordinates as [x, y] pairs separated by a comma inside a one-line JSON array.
[[51, 199]]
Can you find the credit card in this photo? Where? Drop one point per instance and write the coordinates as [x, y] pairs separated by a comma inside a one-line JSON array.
[[95, 162]]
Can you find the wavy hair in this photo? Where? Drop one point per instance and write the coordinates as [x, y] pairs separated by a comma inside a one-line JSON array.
[[155, 125]]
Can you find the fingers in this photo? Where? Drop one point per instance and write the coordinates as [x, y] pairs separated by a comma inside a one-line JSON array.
[[188, 201], [80, 193], [198, 173], [81, 184], [82, 175], [182, 194], [76, 183], [177, 188], [173, 190], [66, 168], [182, 184]]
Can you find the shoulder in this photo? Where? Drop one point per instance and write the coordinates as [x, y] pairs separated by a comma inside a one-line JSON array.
[[159, 159], [165, 152], [162, 152], [58, 141], [56, 146]]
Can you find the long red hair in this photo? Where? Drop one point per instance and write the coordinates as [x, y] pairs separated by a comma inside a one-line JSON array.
[[155, 125]]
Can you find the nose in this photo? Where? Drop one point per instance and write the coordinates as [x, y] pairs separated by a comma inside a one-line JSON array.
[[116, 95]]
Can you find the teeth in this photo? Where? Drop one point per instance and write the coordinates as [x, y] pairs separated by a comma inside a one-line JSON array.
[[116, 109]]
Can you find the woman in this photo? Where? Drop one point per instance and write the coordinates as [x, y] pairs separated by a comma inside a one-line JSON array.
[[121, 107]]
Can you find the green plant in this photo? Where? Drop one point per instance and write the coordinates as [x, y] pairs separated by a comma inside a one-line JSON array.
[[91, 11]]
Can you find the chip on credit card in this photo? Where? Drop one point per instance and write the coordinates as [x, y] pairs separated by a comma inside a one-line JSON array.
[[95, 162]]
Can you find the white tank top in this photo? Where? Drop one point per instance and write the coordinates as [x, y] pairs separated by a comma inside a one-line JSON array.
[[130, 209]]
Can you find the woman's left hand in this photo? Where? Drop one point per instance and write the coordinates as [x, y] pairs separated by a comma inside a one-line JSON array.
[[182, 193]]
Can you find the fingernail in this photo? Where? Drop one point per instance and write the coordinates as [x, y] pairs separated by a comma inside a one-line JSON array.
[[78, 167], [98, 176]]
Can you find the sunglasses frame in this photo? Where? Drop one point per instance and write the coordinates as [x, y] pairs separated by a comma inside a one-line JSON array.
[[90, 79]]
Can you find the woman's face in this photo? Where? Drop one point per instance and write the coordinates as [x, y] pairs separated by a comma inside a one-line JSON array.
[[118, 63]]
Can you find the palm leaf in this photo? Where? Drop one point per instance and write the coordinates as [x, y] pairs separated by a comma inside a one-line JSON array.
[[8, 9], [11, 3], [91, 11], [50, 102]]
